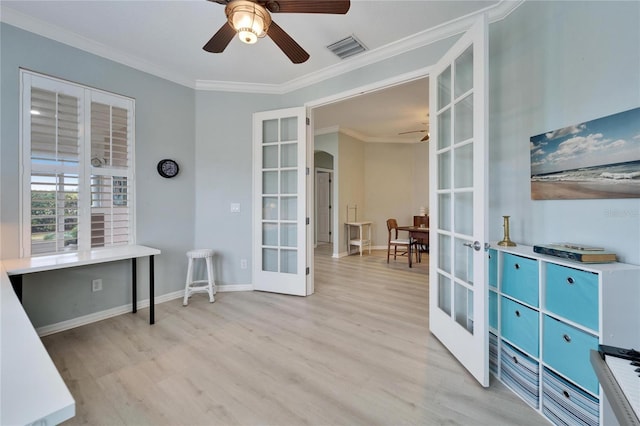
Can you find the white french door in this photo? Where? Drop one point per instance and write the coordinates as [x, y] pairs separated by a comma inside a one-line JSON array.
[[457, 155], [279, 214]]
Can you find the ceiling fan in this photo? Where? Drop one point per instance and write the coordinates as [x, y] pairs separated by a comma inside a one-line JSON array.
[[424, 139], [251, 19]]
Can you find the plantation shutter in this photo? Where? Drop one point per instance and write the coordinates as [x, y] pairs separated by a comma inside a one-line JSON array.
[[111, 195], [55, 157], [78, 182]]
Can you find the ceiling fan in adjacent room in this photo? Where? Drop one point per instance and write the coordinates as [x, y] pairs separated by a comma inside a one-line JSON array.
[[425, 137], [251, 19]]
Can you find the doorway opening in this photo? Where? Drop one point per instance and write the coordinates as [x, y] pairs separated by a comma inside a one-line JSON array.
[[376, 138]]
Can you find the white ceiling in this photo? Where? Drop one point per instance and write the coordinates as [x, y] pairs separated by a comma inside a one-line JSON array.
[[165, 38]]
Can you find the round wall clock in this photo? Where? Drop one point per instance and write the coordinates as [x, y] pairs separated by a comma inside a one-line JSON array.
[[168, 168]]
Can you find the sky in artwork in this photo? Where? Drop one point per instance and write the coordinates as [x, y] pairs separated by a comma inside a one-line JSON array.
[[608, 140]]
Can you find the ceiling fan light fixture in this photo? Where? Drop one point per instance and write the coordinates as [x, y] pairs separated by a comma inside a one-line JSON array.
[[250, 20]]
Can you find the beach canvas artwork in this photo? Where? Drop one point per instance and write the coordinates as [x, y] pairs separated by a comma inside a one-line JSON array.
[[594, 159]]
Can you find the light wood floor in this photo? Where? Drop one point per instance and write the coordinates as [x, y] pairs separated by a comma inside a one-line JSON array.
[[357, 352]]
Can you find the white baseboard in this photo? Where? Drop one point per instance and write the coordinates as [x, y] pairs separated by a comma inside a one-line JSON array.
[[222, 288], [124, 309], [364, 252]]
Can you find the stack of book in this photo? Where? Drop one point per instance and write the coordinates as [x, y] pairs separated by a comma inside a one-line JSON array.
[[577, 252]]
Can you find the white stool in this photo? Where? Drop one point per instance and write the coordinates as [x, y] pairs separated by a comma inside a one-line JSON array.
[[200, 286]]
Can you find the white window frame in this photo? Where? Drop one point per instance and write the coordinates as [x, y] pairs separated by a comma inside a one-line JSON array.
[[86, 95]]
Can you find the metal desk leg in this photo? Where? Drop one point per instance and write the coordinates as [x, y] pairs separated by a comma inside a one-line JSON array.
[[16, 283], [151, 288], [134, 285]]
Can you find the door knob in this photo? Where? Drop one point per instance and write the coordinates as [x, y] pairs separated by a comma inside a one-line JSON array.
[[476, 245]]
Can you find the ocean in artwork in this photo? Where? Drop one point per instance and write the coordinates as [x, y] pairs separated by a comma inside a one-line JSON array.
[[629, 171]]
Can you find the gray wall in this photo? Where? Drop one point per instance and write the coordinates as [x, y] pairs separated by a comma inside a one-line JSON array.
[[554, 64], [164, 207], [224, 150]]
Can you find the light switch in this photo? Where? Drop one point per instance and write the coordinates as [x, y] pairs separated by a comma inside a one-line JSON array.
[[235, 207]]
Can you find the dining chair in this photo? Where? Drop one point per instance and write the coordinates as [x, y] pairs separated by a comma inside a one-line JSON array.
[[423, 241], [395, 242]]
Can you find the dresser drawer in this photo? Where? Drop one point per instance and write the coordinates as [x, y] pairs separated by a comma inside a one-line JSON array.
[[493, 310], [521, 373], [520, 278], [493, 268], [493, 353], [572, 294], [566, 349], [520, 325], [565, 404]]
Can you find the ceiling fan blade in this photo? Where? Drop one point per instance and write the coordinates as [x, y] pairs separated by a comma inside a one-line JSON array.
[[221, 39], [288, 45], [412, 131], [307, 6]]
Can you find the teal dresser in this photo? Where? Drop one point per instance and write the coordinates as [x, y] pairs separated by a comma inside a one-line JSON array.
[[545, 315]]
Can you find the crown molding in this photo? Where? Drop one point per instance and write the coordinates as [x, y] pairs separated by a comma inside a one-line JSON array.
[[61, 35], [495, 13], [361, 137], [238, 86]]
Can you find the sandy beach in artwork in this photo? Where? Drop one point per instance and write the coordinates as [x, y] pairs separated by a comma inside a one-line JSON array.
[[572, 190]]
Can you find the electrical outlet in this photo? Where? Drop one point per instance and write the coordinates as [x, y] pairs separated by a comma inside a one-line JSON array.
[[96, 285], [243, 263], [235, 207]]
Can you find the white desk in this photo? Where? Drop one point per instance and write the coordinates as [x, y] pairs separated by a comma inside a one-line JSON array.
[[16, 268], [360, 241], [32, 389]]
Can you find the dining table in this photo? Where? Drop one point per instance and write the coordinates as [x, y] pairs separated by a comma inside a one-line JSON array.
[[415, 232]]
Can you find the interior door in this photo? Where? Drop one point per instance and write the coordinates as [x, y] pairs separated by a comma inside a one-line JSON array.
[[279, 216], [323, 206], [457, 155]]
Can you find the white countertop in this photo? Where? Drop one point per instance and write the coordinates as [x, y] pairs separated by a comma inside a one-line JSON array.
[[60, 261], [31, 387]]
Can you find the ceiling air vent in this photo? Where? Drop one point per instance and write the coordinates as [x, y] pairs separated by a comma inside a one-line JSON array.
[[346, 47]]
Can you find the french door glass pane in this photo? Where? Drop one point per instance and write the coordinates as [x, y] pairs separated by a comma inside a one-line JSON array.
[[270, 259], [463, 220], [270, 131], [288, 234], [270, 208], [289, 183], [289, 129], [444, 293], [289, 208], [444, 89], [289, 261], [270, 157], [463, 176], [270, 234], [444, 212], [269, 182], [289, 156], [444, 252], [463, 123], [444, 129], [464, 72], [463, 261], [444, 170], [463, 307]]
